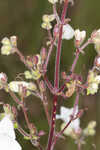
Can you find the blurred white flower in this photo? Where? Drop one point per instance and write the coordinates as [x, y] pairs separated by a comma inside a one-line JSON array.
[[96, 40], [93, 83], [7, 135], [79, 37], [68, 32], [53, 1], [65, 115], [19, 86], [9, 45]]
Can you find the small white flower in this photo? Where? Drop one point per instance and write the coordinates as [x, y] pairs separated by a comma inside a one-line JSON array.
[[15, 85], [8, 45], [92, 88], [79, 37], [68, 32], [3, 77], [65, 115], [7, 135], [53, 1], [96, 40]]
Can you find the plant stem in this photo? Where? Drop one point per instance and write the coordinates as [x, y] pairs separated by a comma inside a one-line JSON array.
[[58, 54], [51, 135], [77, 54], [56, 79], [22, 131]]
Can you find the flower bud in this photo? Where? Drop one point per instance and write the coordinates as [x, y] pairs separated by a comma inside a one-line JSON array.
[[97, 62], [29, 61], [13, 40], [43, 53], [56, 30], [42, 86]]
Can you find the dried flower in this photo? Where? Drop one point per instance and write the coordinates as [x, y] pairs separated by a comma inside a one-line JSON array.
[[79, 37]]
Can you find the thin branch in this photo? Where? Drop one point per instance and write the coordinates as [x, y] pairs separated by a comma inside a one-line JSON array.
[[80, 50]]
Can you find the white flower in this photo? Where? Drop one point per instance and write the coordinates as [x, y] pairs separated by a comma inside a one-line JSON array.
[[68, 32], [15, 85], [65, 115], [8, 45], [7, 135], [53, 1], [19, 86], [96, 40], [79, 37]]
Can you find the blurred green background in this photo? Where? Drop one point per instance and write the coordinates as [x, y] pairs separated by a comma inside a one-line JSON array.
[[23, 18]]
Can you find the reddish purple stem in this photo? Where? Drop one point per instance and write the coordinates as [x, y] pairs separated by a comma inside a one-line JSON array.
[[56, 81]]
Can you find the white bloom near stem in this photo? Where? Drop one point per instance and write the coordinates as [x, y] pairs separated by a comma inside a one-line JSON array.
[[9, 45], [47, 19], [7, 135], [53, 1], [96, 40], [79, 37], [65, 115], [17, 86], [93, 83], [68, 32]]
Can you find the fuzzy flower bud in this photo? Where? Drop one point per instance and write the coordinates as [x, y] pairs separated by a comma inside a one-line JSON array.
[[79, 37]]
